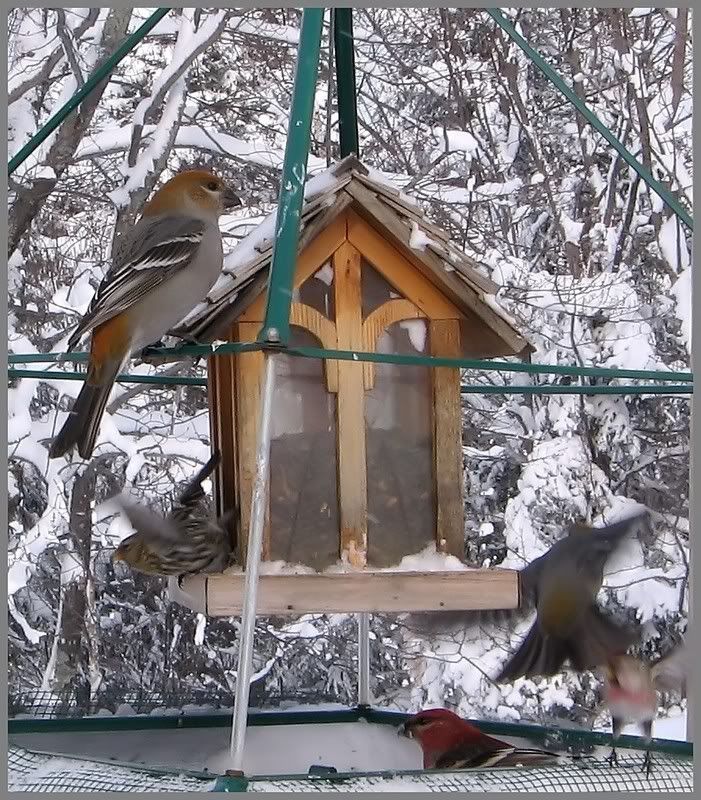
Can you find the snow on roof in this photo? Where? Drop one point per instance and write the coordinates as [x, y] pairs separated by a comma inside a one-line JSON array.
[[326, 195]]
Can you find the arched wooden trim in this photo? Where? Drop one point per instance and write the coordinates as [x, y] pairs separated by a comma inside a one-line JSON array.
[[398, 270], [304, 316], [377, 322], [309, 261]]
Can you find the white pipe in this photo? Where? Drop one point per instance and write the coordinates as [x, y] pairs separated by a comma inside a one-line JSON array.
[[253, 553], [364, 694]]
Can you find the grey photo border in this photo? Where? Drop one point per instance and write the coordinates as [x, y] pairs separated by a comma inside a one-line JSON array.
[[695, 494]]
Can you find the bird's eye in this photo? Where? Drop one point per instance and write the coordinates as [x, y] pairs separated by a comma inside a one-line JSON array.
[[213, 186]]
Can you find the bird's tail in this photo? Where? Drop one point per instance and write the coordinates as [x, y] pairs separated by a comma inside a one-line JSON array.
[[193, 493], [230, 522], [83, 423], [589, 646], [538, 654]]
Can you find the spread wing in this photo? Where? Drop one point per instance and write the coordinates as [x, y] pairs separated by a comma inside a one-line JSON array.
[[154, 530]]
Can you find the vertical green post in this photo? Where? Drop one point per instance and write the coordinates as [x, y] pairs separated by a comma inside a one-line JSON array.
[[276, 329], [345, 79]]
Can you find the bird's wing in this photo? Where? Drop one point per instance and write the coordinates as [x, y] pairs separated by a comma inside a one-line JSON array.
[[528, 578], [476, 756], [156, 531], [598, 637], [538, 654], [610, 536], [433, 623], [156, 249], [193, 494], [467, 755], [670, 673], [225, 521], [581, 541], [521, 756]]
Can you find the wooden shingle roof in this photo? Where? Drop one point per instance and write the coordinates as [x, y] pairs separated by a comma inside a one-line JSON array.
[[327, 195]]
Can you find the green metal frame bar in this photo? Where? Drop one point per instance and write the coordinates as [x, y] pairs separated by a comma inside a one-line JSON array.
[[344, 51], [536, 733], [470, 388], [667, 389], [155, 380], [155, 352], [276, 329], [96, 78], [591, 118], [489, 366], [384, 358], [474, 388]]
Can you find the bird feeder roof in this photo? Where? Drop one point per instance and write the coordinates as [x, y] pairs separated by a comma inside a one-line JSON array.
[[348, 183]]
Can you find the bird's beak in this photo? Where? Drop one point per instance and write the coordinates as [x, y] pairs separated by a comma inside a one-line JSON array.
[[231, 199]]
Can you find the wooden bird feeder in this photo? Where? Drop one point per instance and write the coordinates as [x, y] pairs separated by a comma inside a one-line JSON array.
[[366, 458]]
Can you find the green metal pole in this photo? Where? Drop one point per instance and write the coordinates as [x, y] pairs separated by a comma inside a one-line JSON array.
[[591, 118], [381, 358], [97, 77], [276, 329], [152, 352], [342, 21], [667, 388], [156, 380], [489, 366]]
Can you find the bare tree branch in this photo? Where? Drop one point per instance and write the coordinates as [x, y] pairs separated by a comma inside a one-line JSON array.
[[68, 48]]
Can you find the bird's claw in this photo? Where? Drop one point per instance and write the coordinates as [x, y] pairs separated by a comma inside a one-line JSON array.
[[150, 352], [185, 337], [612, 758], [647, 764]]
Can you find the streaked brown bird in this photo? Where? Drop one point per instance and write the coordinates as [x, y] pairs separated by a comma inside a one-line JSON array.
[[630, 692], [562, 585], [187, 541]]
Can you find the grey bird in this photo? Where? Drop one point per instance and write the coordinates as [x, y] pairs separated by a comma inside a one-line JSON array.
[[562, 585], [166, 265]]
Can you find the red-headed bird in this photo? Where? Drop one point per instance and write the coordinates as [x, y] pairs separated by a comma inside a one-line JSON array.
[[630, 692], [450, 742], [562, 585]]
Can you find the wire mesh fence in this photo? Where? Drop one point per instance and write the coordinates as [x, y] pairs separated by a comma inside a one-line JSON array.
[[39, 704], [670, 774], [38, 772]]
